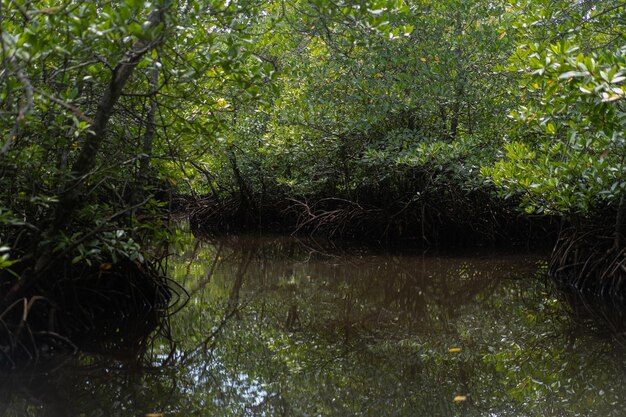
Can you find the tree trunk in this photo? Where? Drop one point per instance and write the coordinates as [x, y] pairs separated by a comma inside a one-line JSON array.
[[148, 137], [459, 84], [619, 224], [86, 161], [70, 198]]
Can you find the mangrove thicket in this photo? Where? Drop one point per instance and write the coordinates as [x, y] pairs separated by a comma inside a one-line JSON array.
[[432, 122]]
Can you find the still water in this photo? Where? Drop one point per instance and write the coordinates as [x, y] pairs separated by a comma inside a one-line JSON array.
[[276, 326]]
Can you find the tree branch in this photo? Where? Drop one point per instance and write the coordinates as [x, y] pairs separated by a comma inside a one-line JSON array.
[[68, 201], [22, 111]]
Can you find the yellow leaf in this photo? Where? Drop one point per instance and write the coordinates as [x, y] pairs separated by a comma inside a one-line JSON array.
[[423, 59], [454, 349], [49, 10], [154, 415], [502, 35], [460, 398]]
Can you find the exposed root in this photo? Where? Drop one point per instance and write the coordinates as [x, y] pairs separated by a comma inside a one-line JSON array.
[[589, 260], [218, 215], [110, 310], [330, 217], [452, 219]]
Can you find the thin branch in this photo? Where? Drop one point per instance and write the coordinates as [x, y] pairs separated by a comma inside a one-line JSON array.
[[75, 67], [73, 109], [26, 106]]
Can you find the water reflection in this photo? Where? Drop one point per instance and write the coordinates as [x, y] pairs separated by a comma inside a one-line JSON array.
[[276, 326], [374, 333]]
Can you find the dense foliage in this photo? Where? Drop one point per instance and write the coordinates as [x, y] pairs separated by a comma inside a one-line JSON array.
[[435, 121], [375, 135], [569, 156]]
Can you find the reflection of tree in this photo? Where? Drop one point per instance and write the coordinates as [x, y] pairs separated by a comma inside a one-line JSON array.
[[589, 313], [115, 354], [87, 386], [232, 309], [375, 333], [275, 328]]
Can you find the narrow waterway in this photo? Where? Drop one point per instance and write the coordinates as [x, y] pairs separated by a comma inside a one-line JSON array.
[[276, 326]]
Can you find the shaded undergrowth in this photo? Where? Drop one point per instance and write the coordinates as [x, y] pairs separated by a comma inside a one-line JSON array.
[[475, 219], [586, 255], [590, 259], [106, 308]]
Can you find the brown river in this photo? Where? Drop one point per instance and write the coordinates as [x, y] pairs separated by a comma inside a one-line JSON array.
[[279, 326]]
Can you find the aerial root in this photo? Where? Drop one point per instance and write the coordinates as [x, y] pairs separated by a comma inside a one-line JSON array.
[[88, 309], [589, 261]]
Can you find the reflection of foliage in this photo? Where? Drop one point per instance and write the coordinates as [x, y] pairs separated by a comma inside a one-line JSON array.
[[375, 333], [277, 328], [116, 383]]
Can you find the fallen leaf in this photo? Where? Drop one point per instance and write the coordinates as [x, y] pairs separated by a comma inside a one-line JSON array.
[[454, 349], [460, 398]]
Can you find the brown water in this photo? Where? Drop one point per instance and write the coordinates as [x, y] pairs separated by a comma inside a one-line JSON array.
[[275, 326]]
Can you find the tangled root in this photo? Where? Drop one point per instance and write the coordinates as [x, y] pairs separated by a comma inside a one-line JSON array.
[[96, 309], [590, 261]]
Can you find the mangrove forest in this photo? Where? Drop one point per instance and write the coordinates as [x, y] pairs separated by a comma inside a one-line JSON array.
[[312, 207]]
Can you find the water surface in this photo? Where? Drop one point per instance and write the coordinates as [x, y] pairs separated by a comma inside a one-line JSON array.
[[276, 326]]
